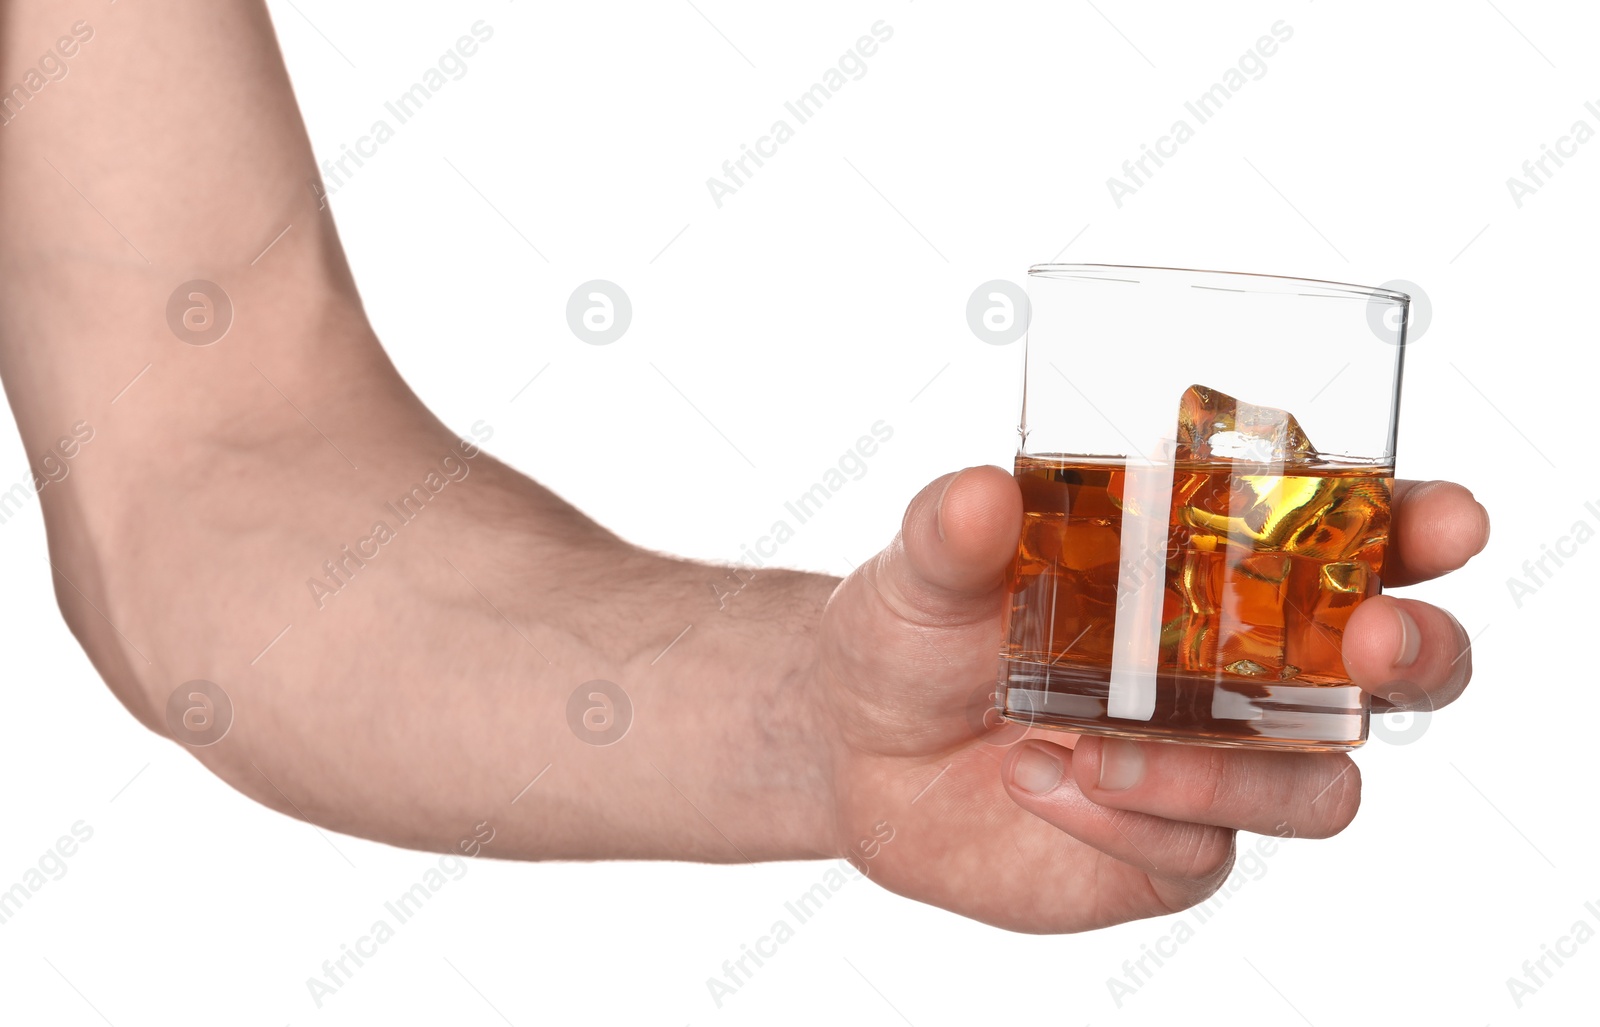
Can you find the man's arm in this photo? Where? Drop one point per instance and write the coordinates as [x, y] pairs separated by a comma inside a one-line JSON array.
[[412, 694], [401, 623]]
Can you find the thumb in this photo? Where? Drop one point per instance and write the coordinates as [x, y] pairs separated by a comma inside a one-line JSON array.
[[914, 633], [956, 541]]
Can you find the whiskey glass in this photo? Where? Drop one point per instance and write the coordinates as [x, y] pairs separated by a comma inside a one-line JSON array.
[[1206, 462]]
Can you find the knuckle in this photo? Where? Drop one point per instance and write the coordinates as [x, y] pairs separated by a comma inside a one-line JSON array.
[[1218, 781], [1336, 806]]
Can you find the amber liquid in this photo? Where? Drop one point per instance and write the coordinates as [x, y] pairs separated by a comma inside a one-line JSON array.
[[1262, 568]]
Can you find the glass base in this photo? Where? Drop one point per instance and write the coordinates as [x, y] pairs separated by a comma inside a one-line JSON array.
[[1194, 708]]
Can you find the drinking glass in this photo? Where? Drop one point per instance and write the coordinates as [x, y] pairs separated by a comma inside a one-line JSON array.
[[1206, 462]]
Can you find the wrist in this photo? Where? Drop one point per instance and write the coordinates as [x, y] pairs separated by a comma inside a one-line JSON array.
[[803, 689], [746, 684]]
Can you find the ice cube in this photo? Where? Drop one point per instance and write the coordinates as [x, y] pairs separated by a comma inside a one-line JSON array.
[[1213, 425], [1232, 612]]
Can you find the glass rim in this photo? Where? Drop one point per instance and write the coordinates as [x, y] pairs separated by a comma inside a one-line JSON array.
[[1229, 281]]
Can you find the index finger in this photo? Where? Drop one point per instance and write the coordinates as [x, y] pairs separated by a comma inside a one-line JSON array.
[[1437, 527]]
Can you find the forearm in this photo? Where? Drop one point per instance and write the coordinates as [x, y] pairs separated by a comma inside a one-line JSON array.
[[425, 690], [727, 756], [500, 707]]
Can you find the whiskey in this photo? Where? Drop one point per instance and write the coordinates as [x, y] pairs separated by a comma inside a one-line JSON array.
[[1266, 554]]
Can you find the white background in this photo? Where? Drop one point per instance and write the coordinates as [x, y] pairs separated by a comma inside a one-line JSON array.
[[827, 294]]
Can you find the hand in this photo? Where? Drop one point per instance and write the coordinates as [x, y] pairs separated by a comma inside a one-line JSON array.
[[1018, 830]]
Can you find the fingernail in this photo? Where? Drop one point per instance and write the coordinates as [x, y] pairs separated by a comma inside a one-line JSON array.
[[1410, 639], [938, 510], [1036, 771], [1121, 765]]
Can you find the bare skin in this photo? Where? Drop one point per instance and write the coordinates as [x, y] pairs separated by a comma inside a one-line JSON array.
[[433, 687]]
